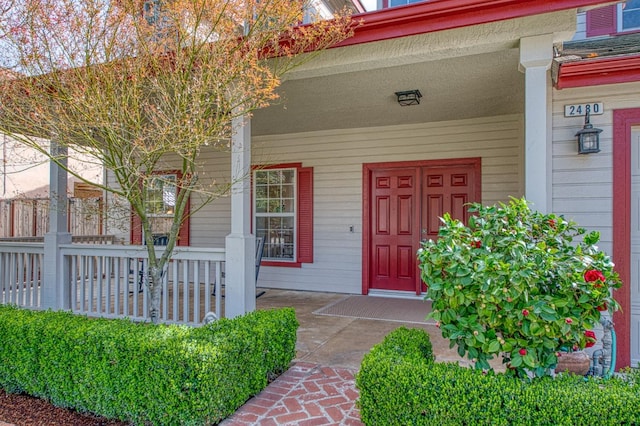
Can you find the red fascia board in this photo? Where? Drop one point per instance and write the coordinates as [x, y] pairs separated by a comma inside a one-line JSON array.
[[600, 71], [438, 15]]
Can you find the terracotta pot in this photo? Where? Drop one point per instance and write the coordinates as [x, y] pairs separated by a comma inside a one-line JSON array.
[[577, 362]]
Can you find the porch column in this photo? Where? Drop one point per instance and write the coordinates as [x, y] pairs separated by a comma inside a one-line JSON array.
[[55, 288], [536, 53], [240, 278]]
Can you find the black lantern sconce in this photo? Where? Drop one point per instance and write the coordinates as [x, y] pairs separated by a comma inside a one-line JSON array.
[[409, 97], [588, 137]]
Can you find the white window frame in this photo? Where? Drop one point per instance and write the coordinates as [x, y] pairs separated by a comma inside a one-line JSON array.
[[268, 242]]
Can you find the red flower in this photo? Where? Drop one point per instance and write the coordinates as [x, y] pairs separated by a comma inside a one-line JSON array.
[[522, 351], [552, 223], [476, 244], [603, 307], [525, 312], [591, 338], [568, 320], [592, 275]]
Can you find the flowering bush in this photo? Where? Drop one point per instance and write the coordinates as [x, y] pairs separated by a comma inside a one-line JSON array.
[[516, 283]]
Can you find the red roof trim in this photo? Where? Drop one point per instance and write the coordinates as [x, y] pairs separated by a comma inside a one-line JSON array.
[[438, 15], [599, 71]]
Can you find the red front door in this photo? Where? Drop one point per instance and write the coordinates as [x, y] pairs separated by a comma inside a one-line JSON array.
[[445, 189], [405, 206], [395, 228]]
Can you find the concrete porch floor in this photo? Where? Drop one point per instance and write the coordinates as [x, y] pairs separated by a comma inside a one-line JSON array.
[[338, 341]]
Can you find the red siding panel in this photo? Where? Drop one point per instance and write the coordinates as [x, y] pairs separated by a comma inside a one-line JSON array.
[[602, 21], [305, 215]]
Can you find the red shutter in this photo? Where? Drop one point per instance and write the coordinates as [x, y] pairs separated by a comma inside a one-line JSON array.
[[305, 215], [136, 229], [602, 21], [183, 235]]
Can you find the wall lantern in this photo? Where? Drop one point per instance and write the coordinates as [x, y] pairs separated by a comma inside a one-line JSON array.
[[588, 138], [409, 97]]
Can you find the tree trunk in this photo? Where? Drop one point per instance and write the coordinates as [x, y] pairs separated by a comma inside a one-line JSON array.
[[155, 292]]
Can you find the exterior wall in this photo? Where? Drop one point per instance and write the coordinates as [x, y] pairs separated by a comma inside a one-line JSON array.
[[209, 227], [25, 171], [337, 157], [582, 184]]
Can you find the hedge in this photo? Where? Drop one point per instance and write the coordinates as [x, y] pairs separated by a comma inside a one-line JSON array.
[[144, 373], [400, 384]]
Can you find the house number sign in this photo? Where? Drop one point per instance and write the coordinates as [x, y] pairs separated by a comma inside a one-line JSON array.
[[576, 110]]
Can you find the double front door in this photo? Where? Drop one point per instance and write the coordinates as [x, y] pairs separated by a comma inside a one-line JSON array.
[[405, 205]]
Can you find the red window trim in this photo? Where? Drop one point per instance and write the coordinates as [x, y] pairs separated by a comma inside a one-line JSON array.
[[135, 231], [304, 216]]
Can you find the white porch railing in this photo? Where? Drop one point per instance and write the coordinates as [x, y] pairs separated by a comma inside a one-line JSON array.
[[20, 273], [111, 280]]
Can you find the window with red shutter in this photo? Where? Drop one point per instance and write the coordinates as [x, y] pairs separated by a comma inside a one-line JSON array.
[[283, 213], [161, 192]]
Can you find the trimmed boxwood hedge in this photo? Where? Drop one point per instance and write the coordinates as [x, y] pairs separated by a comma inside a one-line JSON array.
[[140, 372], [401, 385]]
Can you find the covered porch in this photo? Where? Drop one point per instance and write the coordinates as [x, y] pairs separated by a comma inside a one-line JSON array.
[[486, 103]]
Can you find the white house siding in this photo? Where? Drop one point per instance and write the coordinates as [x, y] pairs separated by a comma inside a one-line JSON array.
[[582, 184], [581, 26], [337, 157]]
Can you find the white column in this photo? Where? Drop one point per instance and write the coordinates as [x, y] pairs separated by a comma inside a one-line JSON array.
[[536, 53], [55, 283], [240, 278]]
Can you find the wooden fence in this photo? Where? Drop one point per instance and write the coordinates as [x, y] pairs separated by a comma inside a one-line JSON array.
[[30, 217]]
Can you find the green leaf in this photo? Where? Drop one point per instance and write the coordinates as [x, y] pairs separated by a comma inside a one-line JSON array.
[[529, 360], [548, 317], [461, 350], [494, 346], [516, 361], [584, 299]]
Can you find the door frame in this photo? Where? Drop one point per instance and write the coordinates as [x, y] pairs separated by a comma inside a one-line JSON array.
[[623, 121], [474, 163]]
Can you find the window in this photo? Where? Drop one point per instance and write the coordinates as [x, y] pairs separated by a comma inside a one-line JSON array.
[[283, 213], [629, 16], [614, 19], [160, 201], [394, 3], [275, 208]]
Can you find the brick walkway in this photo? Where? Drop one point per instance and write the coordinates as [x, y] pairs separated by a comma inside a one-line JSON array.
[[306, 395]]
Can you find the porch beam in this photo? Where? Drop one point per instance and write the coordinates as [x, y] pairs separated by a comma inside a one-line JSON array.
[[240, 279], [55, 288], [536, 53]]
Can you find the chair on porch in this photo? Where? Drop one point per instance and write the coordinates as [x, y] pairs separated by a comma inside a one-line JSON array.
[[259, 251], [158, 240]]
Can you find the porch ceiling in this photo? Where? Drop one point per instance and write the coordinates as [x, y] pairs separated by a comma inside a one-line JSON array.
[[462, 87]]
